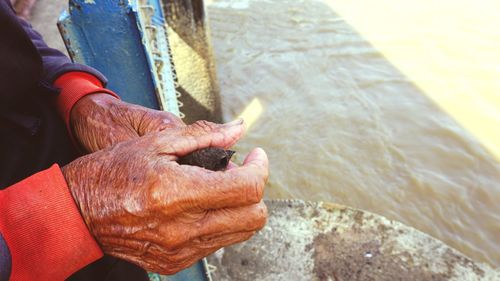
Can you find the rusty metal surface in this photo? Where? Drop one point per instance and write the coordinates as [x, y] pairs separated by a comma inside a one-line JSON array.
[[321, 241]]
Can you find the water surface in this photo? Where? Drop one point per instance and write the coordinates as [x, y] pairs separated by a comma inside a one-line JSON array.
[[390, 108]]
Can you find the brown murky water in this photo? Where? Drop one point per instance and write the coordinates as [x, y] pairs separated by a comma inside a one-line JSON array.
[[379, 107]]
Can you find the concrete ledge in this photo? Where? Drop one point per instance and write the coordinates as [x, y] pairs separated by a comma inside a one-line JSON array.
[[321, 241]]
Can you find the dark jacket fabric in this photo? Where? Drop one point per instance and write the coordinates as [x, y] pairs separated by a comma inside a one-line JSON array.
[[5, 264], [32, 138], [32, 135], [26, 60]]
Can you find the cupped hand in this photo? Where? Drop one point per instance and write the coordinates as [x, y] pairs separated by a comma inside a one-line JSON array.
[[144, 207], [101, 120]]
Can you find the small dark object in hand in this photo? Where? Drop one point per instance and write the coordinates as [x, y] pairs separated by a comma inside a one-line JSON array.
[[211, 158]]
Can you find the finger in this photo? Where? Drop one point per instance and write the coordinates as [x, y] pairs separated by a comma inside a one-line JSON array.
[[257, 157], [167, 263], [146, 263], [159, 260], [190, 253], [240, 186], [213, 243], [198, 135], [233, 220], [213, 223]]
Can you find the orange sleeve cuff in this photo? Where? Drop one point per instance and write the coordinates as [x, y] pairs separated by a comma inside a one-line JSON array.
[[43, 228], [74, 86]]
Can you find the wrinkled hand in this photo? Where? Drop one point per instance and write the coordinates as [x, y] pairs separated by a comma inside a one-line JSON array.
[[144, 207], [100, 120]]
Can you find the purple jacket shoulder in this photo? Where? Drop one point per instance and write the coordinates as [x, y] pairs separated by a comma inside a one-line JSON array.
[[53, 62]]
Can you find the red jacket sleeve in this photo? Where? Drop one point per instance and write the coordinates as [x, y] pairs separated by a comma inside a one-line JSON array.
[[74, 86], [43, 229]]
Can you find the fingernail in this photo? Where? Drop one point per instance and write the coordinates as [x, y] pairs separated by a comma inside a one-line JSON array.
[[236, 122], [232, 129]]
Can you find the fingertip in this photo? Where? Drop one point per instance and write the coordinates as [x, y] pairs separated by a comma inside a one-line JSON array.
[[257, 157], [235, 131], [238, 121], [244, 125], [232, 133]]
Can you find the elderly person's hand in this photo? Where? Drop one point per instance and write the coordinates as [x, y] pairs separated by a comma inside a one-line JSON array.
[[100, 120], [144, 207]]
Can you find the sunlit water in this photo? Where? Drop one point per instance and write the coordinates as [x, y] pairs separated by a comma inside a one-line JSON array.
[[363, 117]]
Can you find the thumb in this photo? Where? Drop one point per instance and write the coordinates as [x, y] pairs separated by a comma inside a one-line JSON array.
[[256, 157], [257, 160]]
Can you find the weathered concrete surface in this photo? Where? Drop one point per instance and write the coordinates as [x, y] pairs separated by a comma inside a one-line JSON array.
[[321, 241]]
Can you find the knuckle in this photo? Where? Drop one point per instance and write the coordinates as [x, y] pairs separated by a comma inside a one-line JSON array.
[[172, 242], [168, 118], [255, 191], [261, 215], [156, 194]]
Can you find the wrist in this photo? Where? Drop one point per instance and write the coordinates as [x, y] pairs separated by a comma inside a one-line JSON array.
[[76, 178], [98, 97], [84, 106], [75, 86]]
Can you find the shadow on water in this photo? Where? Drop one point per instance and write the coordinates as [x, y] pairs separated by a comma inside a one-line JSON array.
[[341, 123]]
